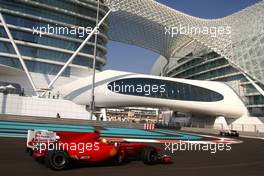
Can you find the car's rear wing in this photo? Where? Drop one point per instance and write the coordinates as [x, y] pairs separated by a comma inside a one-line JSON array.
[[40, 136]]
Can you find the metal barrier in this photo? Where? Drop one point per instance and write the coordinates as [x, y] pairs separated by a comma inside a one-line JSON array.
[[175, 126], [242, 127], [149, 126]]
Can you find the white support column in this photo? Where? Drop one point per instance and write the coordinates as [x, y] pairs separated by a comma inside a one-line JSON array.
[[103, 116], [18, 53], [77, 51], [221, 123]]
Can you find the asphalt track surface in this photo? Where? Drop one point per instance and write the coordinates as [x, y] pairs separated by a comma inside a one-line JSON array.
[[244, 159]]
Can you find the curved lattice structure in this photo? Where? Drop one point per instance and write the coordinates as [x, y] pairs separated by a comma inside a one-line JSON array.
[[145, 23]]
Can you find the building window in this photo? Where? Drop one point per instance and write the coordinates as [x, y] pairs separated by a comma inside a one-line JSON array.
[[164, 89]]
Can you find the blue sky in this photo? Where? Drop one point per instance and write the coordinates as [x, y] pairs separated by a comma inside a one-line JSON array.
[[134, 59]]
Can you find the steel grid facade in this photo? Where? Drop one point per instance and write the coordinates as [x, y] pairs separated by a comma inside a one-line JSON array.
[[143, 23]]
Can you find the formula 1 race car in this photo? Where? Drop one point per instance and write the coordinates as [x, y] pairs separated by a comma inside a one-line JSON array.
[[59, 149], [229, 133]]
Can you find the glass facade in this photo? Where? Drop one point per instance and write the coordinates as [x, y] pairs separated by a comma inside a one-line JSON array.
[[156, 88], [38, 67], [212, 66], [64, 25]]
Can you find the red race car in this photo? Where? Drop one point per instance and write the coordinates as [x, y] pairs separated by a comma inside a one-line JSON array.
[[58, 149]]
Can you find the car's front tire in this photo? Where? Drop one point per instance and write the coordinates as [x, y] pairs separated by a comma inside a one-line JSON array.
[[57, 160], [118, 160]]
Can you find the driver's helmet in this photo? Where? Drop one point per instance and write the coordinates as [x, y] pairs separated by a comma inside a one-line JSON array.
[[105, 141]]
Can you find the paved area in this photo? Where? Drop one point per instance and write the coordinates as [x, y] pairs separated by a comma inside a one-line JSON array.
[[244, 159]]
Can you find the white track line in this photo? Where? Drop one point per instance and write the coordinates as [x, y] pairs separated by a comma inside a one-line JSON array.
[[142, 140], [253, 137]]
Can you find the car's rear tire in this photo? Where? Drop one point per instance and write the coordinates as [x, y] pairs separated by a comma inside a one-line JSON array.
[[149, 156], [57, 160]]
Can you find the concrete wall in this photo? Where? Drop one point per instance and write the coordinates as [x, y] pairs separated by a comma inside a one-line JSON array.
[[243, 124], [41, 107]]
